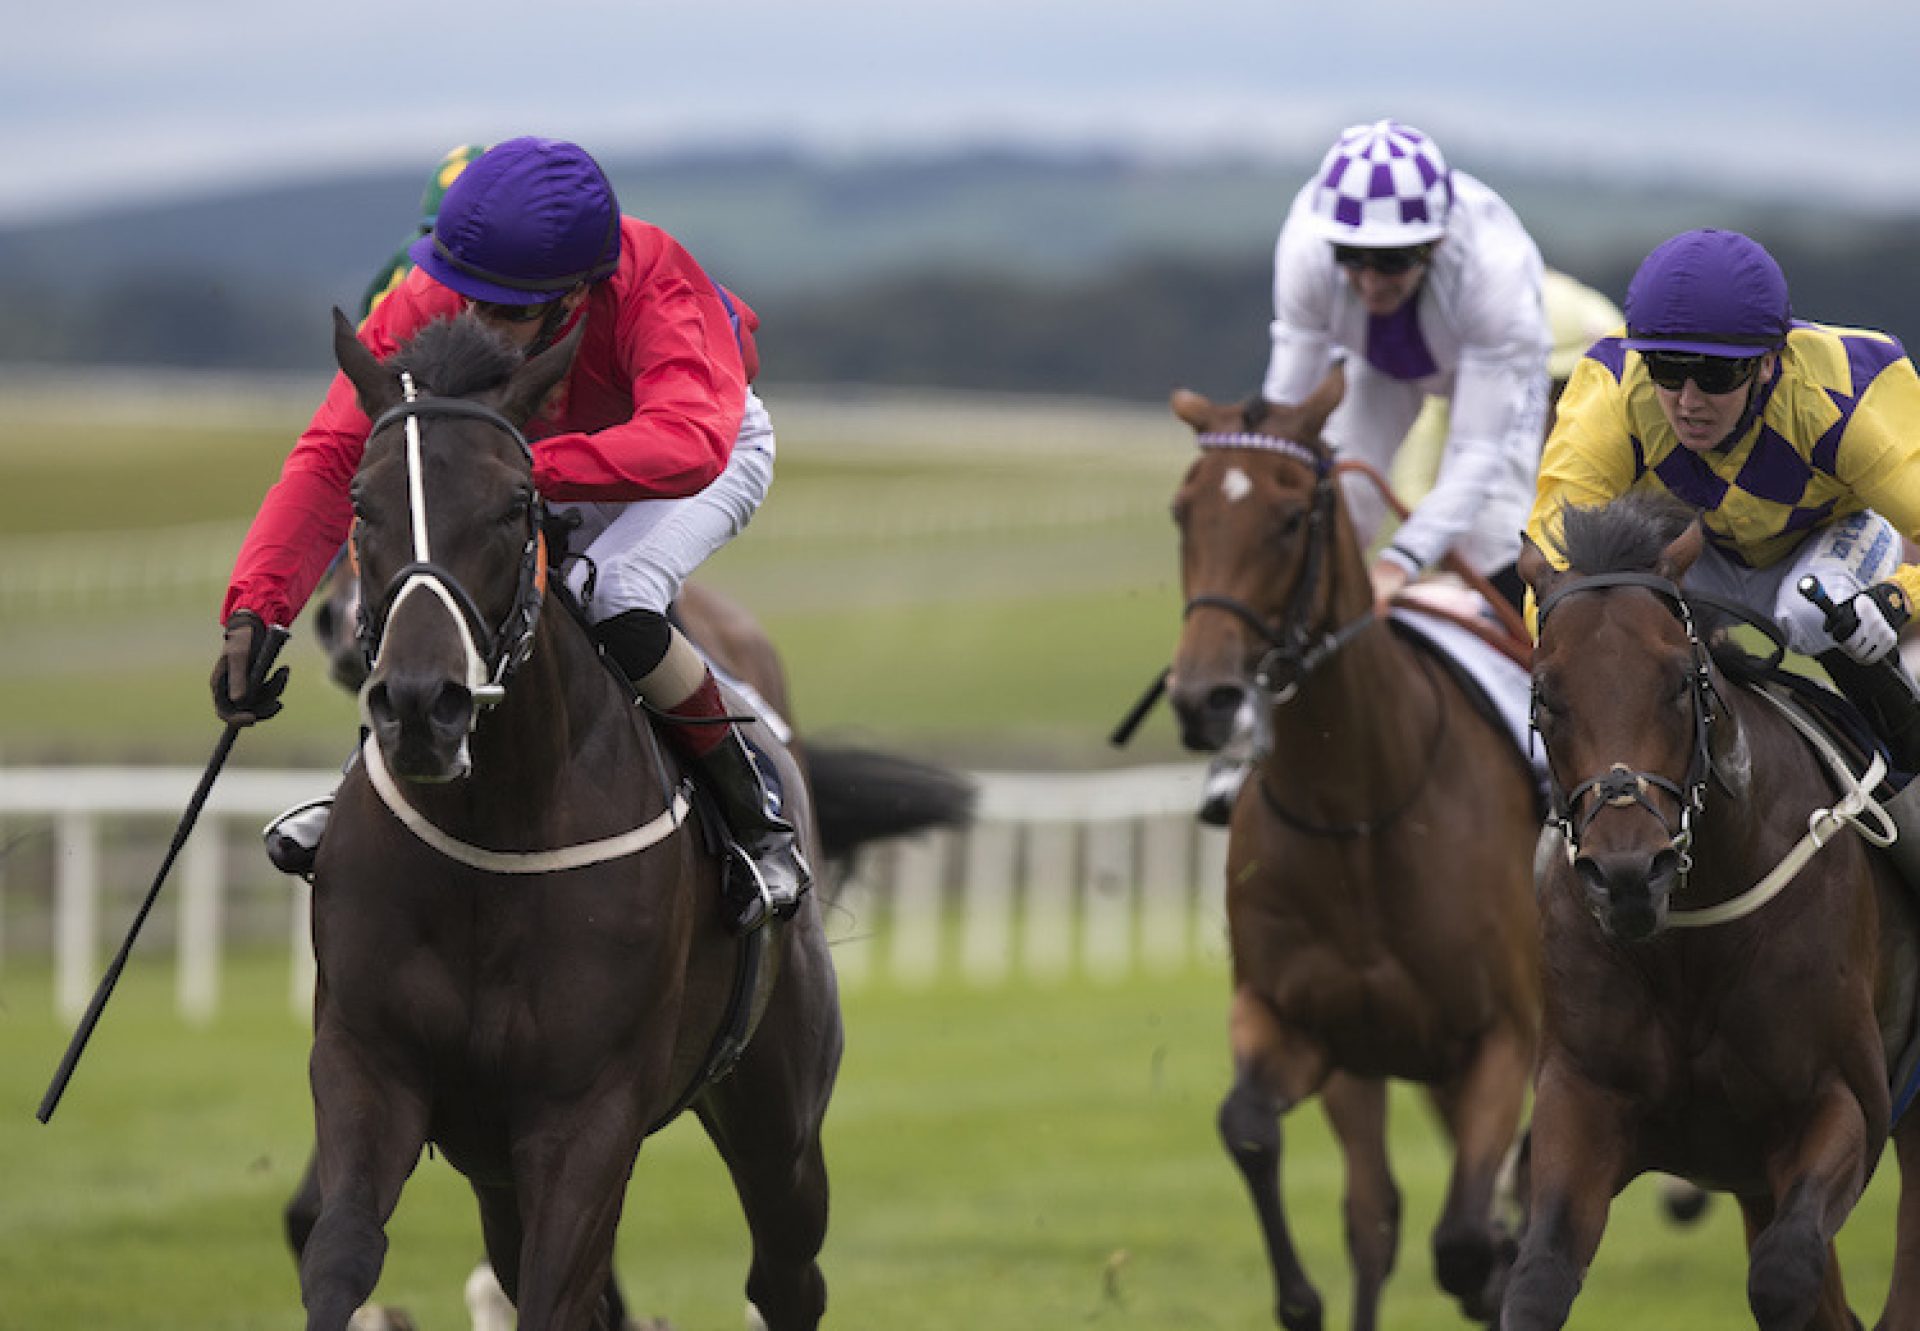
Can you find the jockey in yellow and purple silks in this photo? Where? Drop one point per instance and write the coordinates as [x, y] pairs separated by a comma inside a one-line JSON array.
[[1798, 443]]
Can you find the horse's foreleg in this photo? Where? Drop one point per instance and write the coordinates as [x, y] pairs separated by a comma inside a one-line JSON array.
[[572, 1180], [303, 1208], [1793, 1280], [1472, 1252], [1357, 1108], [1272, 1072], [1577, 1161], [765, 1119], [1902, 1309], [369, 1136]]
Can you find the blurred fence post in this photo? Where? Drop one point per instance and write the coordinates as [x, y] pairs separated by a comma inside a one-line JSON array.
[[202, 867], [76, 910]]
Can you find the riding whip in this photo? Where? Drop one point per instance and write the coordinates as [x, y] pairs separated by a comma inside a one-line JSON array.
[[276, 637], [1138, 712]]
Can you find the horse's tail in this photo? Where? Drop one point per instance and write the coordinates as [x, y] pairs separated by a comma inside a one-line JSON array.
[[861, 796]]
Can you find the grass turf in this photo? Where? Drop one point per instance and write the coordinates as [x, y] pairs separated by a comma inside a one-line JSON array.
[[1027, 1157]]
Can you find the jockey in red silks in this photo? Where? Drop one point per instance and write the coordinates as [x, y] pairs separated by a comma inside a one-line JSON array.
[[655, 442]]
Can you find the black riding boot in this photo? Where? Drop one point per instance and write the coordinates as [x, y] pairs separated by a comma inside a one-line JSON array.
[[1887, 696], [768, 873]]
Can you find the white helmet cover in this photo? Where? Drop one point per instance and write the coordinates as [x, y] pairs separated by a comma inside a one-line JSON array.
[[1381, 186]]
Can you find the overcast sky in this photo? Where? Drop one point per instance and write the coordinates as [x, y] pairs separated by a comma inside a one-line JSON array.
[[119, 99]]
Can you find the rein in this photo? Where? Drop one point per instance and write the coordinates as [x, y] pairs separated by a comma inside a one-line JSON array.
[[493, 653], [1822, 826]]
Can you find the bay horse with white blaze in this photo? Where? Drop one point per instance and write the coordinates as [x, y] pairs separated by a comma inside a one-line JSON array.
[[1727, 968], [521, 955], [1379, 900]]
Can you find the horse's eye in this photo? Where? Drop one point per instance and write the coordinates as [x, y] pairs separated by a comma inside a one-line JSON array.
[[518, 508]]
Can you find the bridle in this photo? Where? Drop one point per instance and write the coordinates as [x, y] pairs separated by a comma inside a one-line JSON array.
[[1295, 648], [493, 652], [1621, 785]]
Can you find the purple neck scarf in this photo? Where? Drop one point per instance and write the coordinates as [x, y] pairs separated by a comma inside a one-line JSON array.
[[1394, 345]]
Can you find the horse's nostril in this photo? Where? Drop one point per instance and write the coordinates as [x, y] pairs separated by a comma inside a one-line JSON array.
[[451, 706], [1225, 698], [380, 702]]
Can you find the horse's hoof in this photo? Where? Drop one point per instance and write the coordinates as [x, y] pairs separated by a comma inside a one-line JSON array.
[[1300, 1314], [375, 1318], [1682, 1202]]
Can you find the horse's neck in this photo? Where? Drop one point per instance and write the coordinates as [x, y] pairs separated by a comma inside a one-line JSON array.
[[1370, 706], [1766, 782]]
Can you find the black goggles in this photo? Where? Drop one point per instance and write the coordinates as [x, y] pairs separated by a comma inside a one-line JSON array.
[[1713, 374], [513, 314], [1390, 262]]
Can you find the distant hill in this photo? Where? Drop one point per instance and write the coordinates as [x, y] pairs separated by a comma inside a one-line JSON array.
[[1083, 273]]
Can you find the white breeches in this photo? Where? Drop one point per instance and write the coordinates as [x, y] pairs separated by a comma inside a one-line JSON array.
[[1847, 556], [639, 554]]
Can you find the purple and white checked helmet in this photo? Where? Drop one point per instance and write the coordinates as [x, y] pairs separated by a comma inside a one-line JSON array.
[[1382, 186]]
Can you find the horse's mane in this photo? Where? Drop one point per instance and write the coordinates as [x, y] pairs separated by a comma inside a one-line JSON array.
[[1625, 536], [1628, 536], [456, 358]]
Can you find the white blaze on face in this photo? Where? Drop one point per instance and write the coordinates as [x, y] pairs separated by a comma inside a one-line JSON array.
[[1236, 485]]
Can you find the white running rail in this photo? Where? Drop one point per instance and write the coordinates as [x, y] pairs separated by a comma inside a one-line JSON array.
[[1100, 874]]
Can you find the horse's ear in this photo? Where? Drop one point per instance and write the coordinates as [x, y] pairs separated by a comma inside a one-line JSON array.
[[1193, 408], [1680, 553], [1535, 569], [533, 381], [1320, 403], [377, 388]]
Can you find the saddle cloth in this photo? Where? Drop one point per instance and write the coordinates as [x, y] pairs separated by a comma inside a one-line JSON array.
[[1499, 688]]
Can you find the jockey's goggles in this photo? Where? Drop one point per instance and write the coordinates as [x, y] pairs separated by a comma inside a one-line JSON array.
[[512, 314], [1388, 262], [1714, 374]]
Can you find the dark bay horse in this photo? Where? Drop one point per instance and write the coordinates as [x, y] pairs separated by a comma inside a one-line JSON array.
[[521, 957], [1379, 899], [1696, 1022]]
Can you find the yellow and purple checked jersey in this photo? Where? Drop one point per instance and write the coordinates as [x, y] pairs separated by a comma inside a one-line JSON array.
[[1839, 431]]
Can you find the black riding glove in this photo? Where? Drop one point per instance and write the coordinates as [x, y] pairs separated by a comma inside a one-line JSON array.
[[240, 696]]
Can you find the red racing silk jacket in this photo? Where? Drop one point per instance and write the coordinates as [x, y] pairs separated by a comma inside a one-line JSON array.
[[648, 410]]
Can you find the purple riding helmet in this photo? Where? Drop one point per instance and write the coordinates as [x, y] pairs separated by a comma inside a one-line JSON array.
[[526, 223], [1382, 186], [1708, 293]]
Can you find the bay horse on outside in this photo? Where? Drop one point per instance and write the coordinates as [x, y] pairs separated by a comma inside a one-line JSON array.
[[521, 955], [1379, 898], [1710, 1011]]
